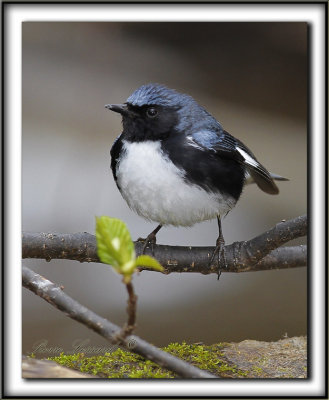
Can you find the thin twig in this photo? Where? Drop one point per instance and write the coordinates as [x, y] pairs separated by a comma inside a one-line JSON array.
[[55, 296], [258, 254], [131, 310]]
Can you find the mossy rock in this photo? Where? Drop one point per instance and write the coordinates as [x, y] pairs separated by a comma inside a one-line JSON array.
[[286, 358], [122, 364]]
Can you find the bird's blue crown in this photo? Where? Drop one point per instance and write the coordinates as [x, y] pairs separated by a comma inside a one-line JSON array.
[[191, 116], [155, 94]]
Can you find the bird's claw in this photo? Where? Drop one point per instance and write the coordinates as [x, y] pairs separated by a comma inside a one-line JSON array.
[[150, 240], [221, 260]]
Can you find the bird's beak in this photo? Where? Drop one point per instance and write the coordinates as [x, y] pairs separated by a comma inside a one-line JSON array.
[[119, 108]]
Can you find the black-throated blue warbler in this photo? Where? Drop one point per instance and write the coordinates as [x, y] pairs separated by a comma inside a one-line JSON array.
[[175, 164]]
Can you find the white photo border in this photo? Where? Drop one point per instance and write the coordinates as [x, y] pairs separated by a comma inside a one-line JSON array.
[[315, 14]]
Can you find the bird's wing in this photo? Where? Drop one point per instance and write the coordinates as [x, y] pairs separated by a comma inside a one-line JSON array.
[[226, 146]]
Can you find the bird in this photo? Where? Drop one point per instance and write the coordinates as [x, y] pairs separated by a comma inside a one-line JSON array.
[[174, 163]]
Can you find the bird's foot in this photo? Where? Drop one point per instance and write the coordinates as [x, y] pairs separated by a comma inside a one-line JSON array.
[[220, 252], [149, 240]]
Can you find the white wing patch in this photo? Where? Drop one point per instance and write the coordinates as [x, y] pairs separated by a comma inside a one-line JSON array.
[[192, 143], [247, 158]]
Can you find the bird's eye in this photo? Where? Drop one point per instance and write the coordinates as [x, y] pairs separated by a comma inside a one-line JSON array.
[[151, 112]]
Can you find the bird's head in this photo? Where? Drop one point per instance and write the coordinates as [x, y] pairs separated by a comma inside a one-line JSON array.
[[153, 112]]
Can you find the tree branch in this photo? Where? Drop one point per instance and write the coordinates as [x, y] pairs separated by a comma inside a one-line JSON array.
[[252, 251], [258, 254], [55, 296]]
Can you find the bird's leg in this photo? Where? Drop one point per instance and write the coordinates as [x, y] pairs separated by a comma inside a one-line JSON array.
[[219, 249], [151, 239]]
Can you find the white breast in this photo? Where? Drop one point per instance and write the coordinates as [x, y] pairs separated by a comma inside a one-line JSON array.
[[155, 188]]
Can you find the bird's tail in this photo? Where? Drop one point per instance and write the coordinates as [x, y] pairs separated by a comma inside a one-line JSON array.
[[275, 177], [278, 177]]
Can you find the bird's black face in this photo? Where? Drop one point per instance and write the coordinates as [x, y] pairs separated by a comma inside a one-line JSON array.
[[147, 122]]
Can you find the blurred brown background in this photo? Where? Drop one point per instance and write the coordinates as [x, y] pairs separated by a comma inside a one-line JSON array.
[[250, 76]]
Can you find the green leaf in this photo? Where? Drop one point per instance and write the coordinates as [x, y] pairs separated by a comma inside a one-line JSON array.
[[129, 267], [149, 262], [115, 247], [114, 244]]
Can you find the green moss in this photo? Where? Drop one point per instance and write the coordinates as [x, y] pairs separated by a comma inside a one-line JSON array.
[[119, 364], [122, 364], [257, 370]]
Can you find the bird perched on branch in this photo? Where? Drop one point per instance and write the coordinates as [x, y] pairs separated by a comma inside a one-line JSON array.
[[175, 164]]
